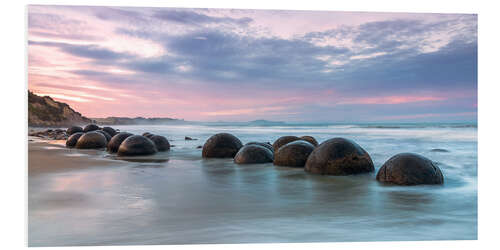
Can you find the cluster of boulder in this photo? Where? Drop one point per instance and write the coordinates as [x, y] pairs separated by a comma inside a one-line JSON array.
[[50, 134], [336, 156], [121, 143]]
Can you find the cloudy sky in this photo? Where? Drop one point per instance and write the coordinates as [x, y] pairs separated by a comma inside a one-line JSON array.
[[240, 65]]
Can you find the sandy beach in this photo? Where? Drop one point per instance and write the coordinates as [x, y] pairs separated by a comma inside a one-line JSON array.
[[53, 156]]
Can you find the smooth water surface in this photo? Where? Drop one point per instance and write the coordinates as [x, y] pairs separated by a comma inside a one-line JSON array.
[[185, 199]]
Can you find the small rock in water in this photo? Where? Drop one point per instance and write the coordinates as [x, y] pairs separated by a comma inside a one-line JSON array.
[[187, 138], [440, 150], [199, 146]]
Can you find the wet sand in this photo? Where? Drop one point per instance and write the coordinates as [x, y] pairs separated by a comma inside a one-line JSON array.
[[53, 156]]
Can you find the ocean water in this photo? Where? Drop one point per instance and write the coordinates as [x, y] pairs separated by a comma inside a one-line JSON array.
[[184, 199]]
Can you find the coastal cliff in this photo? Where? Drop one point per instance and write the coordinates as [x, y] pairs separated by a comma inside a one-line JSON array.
[[43, 111]]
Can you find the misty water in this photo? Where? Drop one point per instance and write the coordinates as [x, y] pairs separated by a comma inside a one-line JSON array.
[[181, 198]]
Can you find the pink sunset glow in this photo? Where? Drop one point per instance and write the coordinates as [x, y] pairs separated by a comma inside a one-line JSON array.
[[238, 65]]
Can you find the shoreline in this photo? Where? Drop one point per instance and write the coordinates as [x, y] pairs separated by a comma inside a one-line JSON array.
[[51, 156]]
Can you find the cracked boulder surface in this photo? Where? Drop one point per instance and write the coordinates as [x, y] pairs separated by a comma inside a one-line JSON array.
[[339, 156], [410, 169]]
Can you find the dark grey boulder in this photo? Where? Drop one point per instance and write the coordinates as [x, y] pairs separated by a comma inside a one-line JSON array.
[[91, 140], [90, 127], [160, 142], [263, 144], [310, 139], [293, 154], [111, 131], [136, 145], [339, 156], [221, 145], [409, 169], [108, 137], [116, 140], [74, 129], [284, 140], [253, 154], [146, 134], [71, 141]]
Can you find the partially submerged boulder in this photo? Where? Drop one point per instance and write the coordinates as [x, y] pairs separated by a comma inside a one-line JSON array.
[[293, 154], [136, 145], [74, 129], [71, 141], [253, 154], [111, 131], [339, 156], [222, 145], [310, 139], [91, 140], [284, 140], [108, 136], [90, 127], [116, 140], [409, 169], [263, 144], [160, 142]]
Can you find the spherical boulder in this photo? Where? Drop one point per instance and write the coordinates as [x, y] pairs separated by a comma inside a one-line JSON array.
[[293, 154], [252, 154], [160, 142], [108, 137], [111, 131], [90, 127], [339, 156], [74, 129], [90, 140], [284, 140], [116, 140], [221, 145], [263, 144], [71, 141], [136, 145], [309, 139], [409, 169]]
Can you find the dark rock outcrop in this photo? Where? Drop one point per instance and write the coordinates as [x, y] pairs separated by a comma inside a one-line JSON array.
[[116, 140], [71, 141], [409, 169], [91, 140], [284, 140], [253, 154], [74, 129], [160, 142], [339, 156], [136, 145], [221, 145], [310, 139], [293, 154], [90, 127]]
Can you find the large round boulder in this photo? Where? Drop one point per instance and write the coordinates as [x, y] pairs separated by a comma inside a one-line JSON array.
[[136, 145], [90, 127], [160, 142], [73, 129], [92, 139], [293, 154], [221, 145], [111, 131], [108, 137], [71, 141], [263, 144], [284, 140], [310, 139], [339, 156], [116, 140], [409, 169], [252, 154]]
